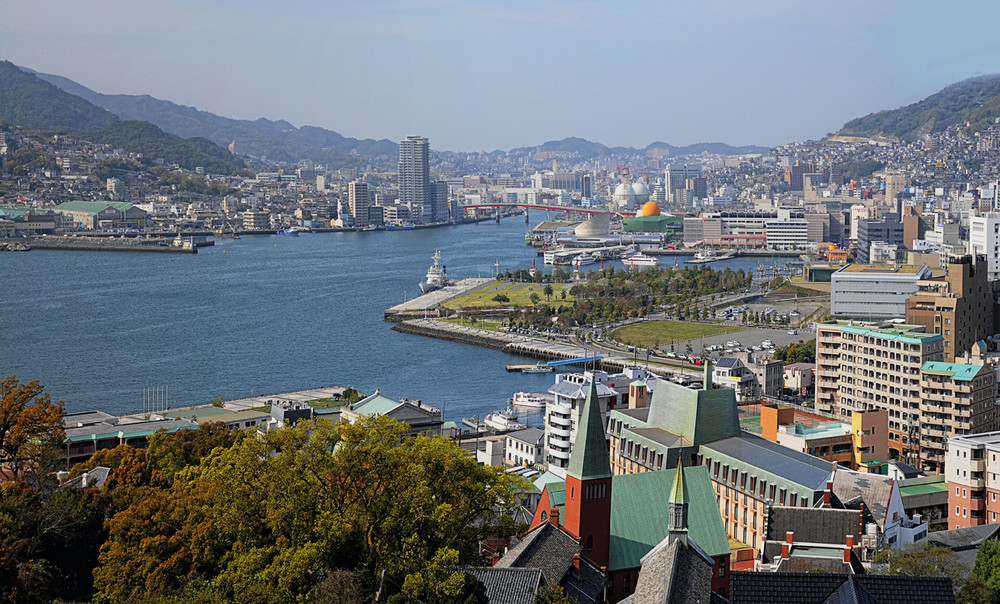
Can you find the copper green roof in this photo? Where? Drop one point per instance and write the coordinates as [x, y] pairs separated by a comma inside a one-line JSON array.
[[956, 371], [640, 514], [92, 206], [923, 489], [678, 494], [589, 458], [902, 333]]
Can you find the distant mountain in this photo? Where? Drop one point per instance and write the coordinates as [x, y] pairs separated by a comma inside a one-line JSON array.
[[976, 100], [35, 104], [32, 103], [589, 150], [276, 140]]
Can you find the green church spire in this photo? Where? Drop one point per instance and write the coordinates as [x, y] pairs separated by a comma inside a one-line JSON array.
[[589, 458]]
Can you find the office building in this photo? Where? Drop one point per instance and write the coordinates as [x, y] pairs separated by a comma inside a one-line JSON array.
[[676, 178], [874, 293], [889, 230], [414, 177]]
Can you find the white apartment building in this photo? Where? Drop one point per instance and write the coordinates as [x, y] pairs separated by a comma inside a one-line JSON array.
[[562, 416], [984, 238]]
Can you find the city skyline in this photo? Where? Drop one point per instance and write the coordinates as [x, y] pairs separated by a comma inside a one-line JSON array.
[[473, 77]]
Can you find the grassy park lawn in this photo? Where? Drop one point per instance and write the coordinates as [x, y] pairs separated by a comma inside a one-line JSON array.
[[487, 324], [519, 294], [325, 403], [661, 333]]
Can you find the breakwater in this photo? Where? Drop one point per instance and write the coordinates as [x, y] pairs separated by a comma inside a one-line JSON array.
[[108, 245]]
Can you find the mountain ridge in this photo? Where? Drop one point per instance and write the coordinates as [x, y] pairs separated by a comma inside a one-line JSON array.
[[975, 100]]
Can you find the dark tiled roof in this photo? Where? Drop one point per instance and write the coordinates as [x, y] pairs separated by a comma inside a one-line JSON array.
[[818, 588], [586, 587], [964, 538], [813, 525], [673, 573], [92, 479], [547, 548], [509, 585], [873, 489]]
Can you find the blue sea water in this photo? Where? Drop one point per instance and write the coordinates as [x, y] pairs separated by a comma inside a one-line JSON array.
[[262, 314]]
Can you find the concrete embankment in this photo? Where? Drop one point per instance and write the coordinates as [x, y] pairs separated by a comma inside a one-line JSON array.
[[108, 246], [549, 350]]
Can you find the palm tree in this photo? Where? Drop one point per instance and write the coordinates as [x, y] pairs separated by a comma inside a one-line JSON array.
[[548, 291]]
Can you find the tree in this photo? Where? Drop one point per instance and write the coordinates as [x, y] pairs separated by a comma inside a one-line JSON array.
[[552, 594], [987, 566], [501, 298], [548, 291], [922, 560], [270, 519], [31, 427], [535, 298]]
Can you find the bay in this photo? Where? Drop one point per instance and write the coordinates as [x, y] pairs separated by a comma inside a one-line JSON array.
[[260, 315]]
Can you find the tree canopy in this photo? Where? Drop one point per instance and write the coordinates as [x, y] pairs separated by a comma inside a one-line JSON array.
[[31, 426]]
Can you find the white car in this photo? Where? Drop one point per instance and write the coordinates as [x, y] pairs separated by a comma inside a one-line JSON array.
[[793, 332]]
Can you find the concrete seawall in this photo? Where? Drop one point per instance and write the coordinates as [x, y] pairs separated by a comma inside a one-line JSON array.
[[103, 246], [548, 350]]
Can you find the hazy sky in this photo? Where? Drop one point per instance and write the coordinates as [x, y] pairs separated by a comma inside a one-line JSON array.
[[475, 75]]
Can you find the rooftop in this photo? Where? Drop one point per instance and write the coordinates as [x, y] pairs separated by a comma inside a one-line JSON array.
[[910, 269], [957, 371], [779, 462]]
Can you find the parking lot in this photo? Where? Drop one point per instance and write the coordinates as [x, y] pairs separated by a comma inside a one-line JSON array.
[[747, 338]]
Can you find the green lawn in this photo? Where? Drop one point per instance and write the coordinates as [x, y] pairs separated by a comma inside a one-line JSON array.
[[662, 333], [519, 294], [488, 324], [325, 403]]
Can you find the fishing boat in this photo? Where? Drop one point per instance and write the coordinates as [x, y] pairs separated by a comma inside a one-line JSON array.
[[231, 234], [503, 421], [539, 368], [640, 260], [290, 232], [437, 276], [404, 226], [532, 401]]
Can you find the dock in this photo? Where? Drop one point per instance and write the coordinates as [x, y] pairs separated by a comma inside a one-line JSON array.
[[109, 245], [429, 302]]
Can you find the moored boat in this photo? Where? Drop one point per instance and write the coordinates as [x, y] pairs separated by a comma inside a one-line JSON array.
[[640, 260], [539, 368], [437, 276], [504, 421], [291, 232], [530, 400]]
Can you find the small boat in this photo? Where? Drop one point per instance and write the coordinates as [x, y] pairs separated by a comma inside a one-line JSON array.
[[538, 368], [437, 276], [475, 424], [291, 232], [231, 234], [527, 399], [706, 256], [404, 226], [181, 242], [503, 421], [583, 260], [640, 260]]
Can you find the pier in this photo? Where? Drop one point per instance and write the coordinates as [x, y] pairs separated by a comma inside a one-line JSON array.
[[113, 245], [429, 302]]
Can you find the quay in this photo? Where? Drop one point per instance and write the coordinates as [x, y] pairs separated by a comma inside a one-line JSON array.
[[112, 245], [429, 302], [519, 344]]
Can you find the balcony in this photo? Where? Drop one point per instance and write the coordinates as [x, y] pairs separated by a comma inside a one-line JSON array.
[[559, 453], [559, 432], [557, 419]]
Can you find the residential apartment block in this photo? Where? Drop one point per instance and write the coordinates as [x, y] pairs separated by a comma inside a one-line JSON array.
[[973, 479], [960, 305], [896, 367]]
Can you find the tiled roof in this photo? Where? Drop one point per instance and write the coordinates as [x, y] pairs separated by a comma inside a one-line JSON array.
[[819, 588], [547, 548], [508, 585], [964, 538], [813, 525], [873, 489], [673, 573]]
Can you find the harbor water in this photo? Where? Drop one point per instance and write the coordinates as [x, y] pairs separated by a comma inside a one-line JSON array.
[[262, 314]]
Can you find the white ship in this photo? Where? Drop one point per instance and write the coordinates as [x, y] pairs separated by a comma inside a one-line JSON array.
[[640, 260], [529, 400], [503, 421], [706, 256], [437, 277]]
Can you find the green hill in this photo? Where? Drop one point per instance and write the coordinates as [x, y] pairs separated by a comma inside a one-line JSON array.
[[976, 100], [35, 104], [143, 137], [30, 102], [275, 140]]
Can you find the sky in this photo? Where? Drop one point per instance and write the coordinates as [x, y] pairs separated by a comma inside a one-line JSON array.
[[474, 75]]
